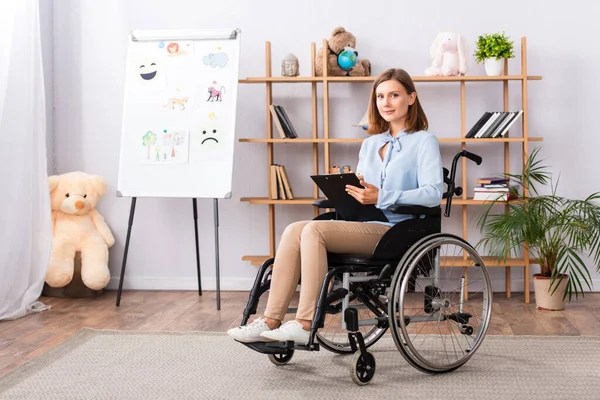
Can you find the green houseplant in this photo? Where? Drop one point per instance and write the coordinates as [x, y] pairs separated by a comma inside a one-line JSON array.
[[557, 231], [492, 49]]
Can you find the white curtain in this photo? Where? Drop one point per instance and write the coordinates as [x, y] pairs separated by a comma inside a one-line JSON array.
[[25, 218]]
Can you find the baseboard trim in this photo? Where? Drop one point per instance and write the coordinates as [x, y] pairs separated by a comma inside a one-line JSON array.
[[140, 283], [244, 284]]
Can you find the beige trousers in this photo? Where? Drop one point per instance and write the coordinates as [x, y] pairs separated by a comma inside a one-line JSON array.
[[302, 252]]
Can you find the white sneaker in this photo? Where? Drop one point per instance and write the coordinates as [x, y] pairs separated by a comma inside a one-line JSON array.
[[291, 330], [250, 333]]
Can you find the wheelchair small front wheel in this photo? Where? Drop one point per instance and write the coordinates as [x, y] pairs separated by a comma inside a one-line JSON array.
[[281, 359], [362, 368]]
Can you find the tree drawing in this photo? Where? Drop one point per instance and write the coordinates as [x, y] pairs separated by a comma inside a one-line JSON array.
[[149, 139]]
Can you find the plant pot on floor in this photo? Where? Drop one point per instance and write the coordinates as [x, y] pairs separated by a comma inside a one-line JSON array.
[[544, 298], [493, 67]]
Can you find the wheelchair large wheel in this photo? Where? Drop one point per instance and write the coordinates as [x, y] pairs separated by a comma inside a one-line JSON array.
[[439, 326], [334, 337]]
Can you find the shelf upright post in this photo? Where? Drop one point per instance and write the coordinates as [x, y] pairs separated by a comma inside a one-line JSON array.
[[315, 130], [463, 133], [524, 121], [325, 111], [507, 271], [270, 161]]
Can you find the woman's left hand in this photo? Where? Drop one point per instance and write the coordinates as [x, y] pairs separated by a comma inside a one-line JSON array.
[[368, 194]]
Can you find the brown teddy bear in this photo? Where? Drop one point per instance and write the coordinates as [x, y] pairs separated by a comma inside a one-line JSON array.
[[77, 226], [340, 39]]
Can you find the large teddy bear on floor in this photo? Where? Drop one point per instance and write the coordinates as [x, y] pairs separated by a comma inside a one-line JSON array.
[[77, 226], [340, 40]]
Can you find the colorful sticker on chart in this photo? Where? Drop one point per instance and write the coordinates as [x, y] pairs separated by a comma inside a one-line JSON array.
[[215, 92], [177, 49], [216, 59], [170, 146]]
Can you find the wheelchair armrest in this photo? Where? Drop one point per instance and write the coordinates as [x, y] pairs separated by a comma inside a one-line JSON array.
[[323, 203], [415, 209]]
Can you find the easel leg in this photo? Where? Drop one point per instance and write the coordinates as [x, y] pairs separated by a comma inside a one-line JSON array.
[[216, 211], [197, 248], [131, 212]]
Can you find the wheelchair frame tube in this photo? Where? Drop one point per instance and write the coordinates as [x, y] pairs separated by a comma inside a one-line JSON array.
[[346, 300]]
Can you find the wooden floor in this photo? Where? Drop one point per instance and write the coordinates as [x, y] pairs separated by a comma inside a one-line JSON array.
[[30, 336]]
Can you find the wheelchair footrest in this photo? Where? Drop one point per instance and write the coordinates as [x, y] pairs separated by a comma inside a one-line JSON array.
[[279, 347], [460, 317], [336, 295]]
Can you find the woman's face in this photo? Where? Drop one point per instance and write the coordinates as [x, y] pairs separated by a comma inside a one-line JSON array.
[[393, 101]]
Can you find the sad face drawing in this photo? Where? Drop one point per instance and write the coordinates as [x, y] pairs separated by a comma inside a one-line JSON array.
[[209, 135]]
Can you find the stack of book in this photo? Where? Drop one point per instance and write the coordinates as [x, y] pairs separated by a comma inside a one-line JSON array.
[[494, 124], [282, 122], [280, 184], [495, 188]]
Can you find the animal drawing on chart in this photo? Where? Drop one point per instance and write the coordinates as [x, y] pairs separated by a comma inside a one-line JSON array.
[[216, 59], [176, 101], [214, 94]]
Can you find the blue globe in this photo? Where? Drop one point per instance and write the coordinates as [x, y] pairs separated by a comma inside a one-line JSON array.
[[346, 60]]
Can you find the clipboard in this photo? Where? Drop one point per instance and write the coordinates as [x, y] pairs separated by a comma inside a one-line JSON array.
[[333, 187]]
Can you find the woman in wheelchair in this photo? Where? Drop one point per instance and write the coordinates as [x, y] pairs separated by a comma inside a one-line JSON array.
[[399, 164]]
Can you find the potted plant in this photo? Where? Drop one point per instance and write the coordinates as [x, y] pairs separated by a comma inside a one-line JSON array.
[[557, 231], [492, 49]]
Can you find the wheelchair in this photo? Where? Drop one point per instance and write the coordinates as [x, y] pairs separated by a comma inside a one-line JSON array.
[[414, 284]]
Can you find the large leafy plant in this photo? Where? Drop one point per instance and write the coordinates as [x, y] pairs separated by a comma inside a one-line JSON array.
[[494, 45], [557, 231]]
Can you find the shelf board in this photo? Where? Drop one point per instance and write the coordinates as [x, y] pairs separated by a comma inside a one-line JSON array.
[[309, 200], [454, 261], [359, 140], [266, 200], [461, 78]]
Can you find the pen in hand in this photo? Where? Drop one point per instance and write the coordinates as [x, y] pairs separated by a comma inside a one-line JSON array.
[[368, 194]]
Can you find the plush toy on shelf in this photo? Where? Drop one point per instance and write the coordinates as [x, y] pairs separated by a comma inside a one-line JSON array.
[[342, 57], [77, 226], [449, 54]]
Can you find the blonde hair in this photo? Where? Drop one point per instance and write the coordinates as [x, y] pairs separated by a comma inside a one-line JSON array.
[[416, 120]]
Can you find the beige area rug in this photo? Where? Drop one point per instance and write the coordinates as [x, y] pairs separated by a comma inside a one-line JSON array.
[[97, 365]]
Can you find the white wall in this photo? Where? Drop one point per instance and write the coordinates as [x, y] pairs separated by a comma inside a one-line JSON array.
[[89, 58]]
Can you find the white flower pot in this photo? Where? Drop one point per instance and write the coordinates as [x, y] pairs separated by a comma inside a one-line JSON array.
[[493, 67]]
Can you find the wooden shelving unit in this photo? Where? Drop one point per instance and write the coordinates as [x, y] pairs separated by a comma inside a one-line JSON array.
[[325, 141]]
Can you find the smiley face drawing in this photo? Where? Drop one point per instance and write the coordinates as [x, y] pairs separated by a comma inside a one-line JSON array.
[[148, 70]]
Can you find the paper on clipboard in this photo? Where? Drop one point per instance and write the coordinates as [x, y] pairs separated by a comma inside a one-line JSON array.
[[333, 187]]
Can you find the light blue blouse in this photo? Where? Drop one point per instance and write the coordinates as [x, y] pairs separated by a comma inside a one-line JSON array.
[[410, 173]]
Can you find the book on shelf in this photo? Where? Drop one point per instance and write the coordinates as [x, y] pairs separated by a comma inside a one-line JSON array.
[[491, 196], [282, 122], [495, 188], [493, 124], [280, 189], [492, 180]]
